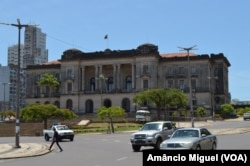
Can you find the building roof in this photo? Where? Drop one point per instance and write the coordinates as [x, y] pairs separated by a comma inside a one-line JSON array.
[[180, 54], [54, 62]]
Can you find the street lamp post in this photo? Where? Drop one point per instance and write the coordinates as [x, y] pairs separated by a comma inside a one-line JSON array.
[[101, 77], [189, 81], [212, 95], [19, 26]]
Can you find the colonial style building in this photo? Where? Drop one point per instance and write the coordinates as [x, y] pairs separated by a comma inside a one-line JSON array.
[[113, 77]]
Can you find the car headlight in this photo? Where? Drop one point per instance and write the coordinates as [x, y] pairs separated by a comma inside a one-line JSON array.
[[187, 145], [163, 145]]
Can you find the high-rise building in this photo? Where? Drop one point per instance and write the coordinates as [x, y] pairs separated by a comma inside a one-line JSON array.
[[4, 87], [8, 88], [13, 55], [35, 51]]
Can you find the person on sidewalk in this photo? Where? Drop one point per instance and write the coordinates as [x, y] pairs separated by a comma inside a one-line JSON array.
[[55, 139]]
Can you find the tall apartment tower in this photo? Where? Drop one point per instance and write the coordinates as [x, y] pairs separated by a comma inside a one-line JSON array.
[[13, 55], [35, 51], [4, 87]]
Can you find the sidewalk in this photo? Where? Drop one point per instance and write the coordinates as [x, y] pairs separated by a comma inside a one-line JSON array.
[[9, 151]]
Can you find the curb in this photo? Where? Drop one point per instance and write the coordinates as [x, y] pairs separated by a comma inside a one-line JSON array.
[[12, 152]]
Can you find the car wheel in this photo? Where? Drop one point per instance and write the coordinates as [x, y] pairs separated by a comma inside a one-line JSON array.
[[71, 138], [46, 137], [198, 147], [158, 143], [136, 148], [214, 146]]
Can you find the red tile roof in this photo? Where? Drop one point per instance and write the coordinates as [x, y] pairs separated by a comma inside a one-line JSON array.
[[54, 62], [181, 54]]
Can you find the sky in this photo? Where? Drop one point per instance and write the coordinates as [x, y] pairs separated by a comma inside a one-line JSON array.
[[214, 26]]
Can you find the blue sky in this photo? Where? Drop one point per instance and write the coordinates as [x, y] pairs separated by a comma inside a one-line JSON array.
[[215, 26]]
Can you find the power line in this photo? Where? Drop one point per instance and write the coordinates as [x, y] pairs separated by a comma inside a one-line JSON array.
[[67, 43]]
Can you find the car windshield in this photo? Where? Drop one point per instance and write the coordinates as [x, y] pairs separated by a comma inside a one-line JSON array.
[[62, 128], [152, 126], [185, 133]]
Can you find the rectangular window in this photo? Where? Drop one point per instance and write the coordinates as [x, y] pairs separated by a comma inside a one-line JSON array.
[[181, 84], [193, 70], [181, 71], [145, 69], [193, 84], [70, 73], [145, 84], [170, 71], [57, 76], [69, 87], [170, 84]]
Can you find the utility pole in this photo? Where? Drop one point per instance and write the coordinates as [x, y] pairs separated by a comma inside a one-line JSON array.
[[189, 81], [212, 91], [19, 26]]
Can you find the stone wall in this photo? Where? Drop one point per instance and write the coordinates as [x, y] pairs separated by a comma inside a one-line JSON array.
[[26, 129]]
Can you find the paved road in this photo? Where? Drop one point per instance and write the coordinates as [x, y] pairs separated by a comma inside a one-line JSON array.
[[30, 148]]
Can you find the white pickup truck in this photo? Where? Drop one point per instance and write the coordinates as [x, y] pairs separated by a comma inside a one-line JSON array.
[[246, 115], [63, 131]]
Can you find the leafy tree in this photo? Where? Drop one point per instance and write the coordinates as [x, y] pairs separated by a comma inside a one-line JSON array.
[[201, 111], [241, 111], [175, 97], [161, 98], [110, 112], [8, 114], [50, 81], [44, 112], [226, 110]]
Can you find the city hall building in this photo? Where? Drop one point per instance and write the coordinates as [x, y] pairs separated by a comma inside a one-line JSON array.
[[89, 80]]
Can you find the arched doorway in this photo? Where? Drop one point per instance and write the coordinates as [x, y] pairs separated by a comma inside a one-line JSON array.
[[57, 103], [69, 104], [126, 104], [107, 103], [89, 106]]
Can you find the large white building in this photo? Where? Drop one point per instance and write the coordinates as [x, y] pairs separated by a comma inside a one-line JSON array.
[[113, 77], [35, 51]]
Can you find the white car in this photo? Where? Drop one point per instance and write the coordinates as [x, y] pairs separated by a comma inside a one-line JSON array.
[[63, 131], [190, 139]]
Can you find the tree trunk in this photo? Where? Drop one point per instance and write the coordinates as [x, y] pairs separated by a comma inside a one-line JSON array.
[[112, 125], [45, 123]]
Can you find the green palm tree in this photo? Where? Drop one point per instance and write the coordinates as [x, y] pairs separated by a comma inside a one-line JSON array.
[[50, 81]]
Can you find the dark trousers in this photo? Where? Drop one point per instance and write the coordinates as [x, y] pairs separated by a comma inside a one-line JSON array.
[[57, 143]]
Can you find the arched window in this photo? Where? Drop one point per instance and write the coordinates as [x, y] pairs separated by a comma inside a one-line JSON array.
[[89, 106], [69, 104], [107, 103], [57, 103], [128, 83], [110, 84], [92, 84], [126, 104]]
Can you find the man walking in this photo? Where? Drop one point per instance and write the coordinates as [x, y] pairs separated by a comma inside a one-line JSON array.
[[55, 139]]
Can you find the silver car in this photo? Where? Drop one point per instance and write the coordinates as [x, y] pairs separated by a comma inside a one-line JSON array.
[[190, 139]]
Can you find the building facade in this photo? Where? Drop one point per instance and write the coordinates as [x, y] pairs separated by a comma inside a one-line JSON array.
[[35, 51], [112, 78], [13, 55], [8, 88]]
